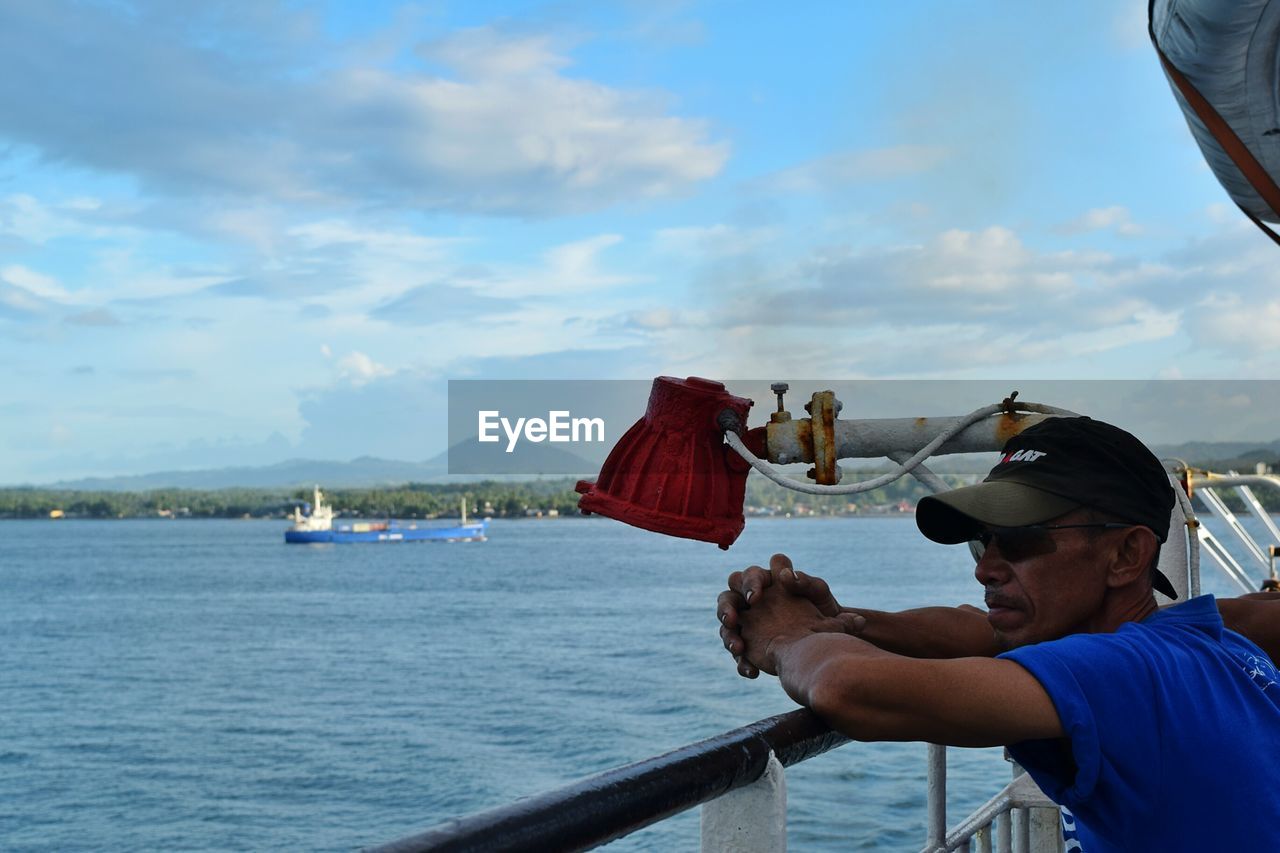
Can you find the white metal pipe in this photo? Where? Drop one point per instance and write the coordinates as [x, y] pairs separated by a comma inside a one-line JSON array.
[[986, 814], [937, 798], [870, 438], [1221, 556], [930, 480], [1219, 508], [785, 444], [1211, 479], [1259, 512], [882, 436]]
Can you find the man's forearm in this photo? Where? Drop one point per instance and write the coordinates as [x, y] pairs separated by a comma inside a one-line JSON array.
[[929, 632], [871, 694], [955, 632], [817, 665]]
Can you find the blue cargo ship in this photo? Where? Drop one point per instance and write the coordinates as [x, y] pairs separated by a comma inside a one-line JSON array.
[[317, 526]]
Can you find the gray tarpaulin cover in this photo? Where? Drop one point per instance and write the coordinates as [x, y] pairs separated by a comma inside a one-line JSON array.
[[1230, 51]]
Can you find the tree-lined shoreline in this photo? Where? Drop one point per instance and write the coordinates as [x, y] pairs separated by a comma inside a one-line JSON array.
[[551, 497], [554, 497]]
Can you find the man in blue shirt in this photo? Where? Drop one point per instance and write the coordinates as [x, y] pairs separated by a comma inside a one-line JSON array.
[[1157, 729]]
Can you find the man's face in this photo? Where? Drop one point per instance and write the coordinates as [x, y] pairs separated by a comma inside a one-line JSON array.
[[1044, 585]]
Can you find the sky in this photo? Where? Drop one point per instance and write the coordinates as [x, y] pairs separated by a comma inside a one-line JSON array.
[[233, 233]]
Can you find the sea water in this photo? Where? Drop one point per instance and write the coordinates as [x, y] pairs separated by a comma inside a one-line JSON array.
[[199, 685]]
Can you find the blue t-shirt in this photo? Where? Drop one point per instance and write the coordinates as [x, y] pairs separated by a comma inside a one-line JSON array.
[[1172, 735]]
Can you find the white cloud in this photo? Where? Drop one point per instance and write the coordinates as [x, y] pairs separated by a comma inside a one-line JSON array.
[[357, 368], [38, 284], [658, 318], [565, 269], [852, 167], [507, 133], [484, 52], [576, 261], [400, 244], [712, 241], [1142, 326], [261, 227], [1230, 323], [86, 203], [1115, 218], [99, 317], [27, 296], [1221, 213], [18, 302], [39, 221], [1129, 27], [959, 301], [990, 261]]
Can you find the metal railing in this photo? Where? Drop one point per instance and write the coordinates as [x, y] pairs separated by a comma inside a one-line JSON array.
[[737, 776], [1019, 819], [620, 801], [1205, 486]]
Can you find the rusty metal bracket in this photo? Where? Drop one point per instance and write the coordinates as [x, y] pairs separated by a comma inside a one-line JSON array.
[[823, 409]]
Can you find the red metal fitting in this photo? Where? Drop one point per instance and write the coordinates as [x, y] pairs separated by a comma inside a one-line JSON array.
[[672, 472]]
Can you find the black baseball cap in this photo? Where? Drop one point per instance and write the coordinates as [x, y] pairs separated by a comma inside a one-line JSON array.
[[1050, 469]]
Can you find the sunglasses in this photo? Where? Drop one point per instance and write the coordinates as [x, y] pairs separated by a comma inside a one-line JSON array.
[[1022, 543]]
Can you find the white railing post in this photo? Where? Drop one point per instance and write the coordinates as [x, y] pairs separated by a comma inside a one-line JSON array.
[[936, 837], [1021, 830], [1045, 829], [1004, 833], [752, 819]]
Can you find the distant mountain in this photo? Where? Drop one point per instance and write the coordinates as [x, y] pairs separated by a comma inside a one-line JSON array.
[[364, 472], [1223, 455], [546, 459], [367, 471]]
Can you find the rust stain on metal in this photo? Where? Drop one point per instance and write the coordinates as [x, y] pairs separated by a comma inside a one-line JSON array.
[[822, 408], [804, 437], [828, 460], [1009, 425]]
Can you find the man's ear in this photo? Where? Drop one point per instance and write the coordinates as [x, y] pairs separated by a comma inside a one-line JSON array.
[[1136, 549]]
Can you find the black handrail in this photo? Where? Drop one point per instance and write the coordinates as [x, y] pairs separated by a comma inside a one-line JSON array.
[[609, 805]]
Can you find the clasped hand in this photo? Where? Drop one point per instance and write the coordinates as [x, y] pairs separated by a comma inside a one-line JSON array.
[[763, 609]]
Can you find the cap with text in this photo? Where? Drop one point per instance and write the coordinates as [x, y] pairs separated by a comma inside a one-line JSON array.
[[1050, 469]]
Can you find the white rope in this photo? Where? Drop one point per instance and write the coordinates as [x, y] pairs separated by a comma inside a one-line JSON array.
[[1193, 536], [769, 470]]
